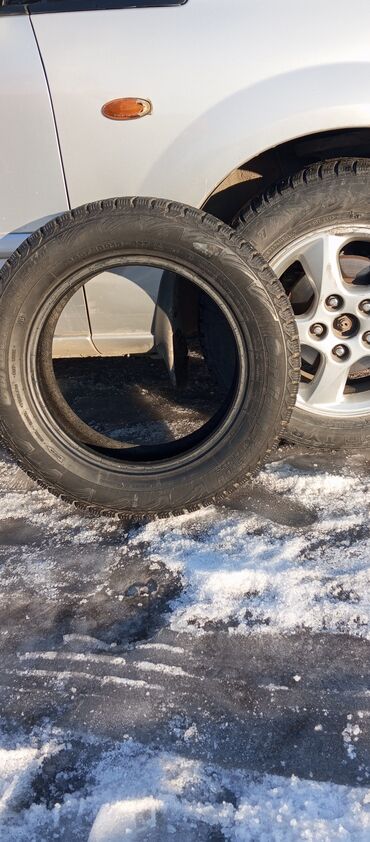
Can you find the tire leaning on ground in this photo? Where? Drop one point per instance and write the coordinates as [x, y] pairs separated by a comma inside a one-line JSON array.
[[48, 268], [311, 218]]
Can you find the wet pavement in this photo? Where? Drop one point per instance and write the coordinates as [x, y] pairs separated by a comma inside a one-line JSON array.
[[90, 647]]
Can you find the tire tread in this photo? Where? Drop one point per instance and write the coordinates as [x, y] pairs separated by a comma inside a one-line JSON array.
[[255, 263]]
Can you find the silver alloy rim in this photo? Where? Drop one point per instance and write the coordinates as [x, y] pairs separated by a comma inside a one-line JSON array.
[[318, 253]]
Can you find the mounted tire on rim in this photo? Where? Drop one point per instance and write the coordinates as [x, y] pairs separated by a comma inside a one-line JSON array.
[[105, 472], [314, 230]]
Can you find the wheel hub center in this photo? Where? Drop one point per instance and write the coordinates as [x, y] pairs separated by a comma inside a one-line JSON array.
[[345, 324]]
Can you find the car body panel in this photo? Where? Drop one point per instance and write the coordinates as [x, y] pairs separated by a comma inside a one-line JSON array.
[[32, 181], [121, 309], [226, 80], [72, 337]]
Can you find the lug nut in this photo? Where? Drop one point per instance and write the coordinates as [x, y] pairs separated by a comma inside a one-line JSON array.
[[365, 305], [340, 351], [334, 302], [318, 329], [366, 337]]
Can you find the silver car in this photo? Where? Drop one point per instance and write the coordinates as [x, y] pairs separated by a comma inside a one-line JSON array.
[[256, 112]]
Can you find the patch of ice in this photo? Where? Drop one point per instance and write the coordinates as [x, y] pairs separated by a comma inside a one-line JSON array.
[[191, 733], [165, 647], [350, 736], [148, 666], [18, 766], [60, 676], [113, 660], [144, 794], [86, 642], [134, 816]]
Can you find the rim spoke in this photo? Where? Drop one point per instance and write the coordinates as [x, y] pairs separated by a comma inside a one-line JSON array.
[[327, 386], [320, 260], [303, 325]]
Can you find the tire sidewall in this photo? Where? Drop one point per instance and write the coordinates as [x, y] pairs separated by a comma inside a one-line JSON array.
[[39, 275]]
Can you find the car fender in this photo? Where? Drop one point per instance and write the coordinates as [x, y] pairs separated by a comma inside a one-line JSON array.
[[257, 118]]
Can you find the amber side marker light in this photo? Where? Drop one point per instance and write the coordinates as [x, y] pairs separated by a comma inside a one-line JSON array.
[[127, 108]]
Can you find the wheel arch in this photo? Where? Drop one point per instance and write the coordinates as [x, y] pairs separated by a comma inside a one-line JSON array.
[[254, 118], [257, 174], [272, 128]]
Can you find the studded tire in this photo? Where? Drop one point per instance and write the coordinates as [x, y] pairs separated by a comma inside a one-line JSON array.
[[331, 192], [35, 279]]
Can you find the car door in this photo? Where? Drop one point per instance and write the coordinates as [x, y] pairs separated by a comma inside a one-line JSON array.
[[31, 173], [88, 61]]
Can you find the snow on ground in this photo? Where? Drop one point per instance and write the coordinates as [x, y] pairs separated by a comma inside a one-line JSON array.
[[151, 795], [302, 567], [269, 576]]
